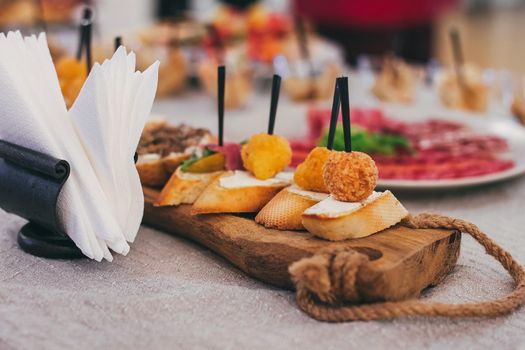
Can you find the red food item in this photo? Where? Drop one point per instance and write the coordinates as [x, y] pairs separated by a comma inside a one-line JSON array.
[[232, 155], [441, 149]]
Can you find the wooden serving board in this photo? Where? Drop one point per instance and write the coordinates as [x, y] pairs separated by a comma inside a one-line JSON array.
[[403, 262]]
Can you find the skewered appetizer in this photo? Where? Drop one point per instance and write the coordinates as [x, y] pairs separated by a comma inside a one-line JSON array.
[[207, 163], [353, 209], [264, 157], [396, 82], [468, 92], [162, 148]]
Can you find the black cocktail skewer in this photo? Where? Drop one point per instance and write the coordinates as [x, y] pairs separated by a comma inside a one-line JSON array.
[[221, 80], [276, 87], [334, 116], [345, 108], [118, 42], [86, 17]]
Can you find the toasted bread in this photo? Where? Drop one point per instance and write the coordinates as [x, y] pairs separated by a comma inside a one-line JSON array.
[[247, 199], [151, 172], [336, 221], [283, 212], [155, 171], [184, 188]]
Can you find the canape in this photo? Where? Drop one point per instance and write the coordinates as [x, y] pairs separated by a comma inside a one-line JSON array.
[[162, 148], [264, 157]]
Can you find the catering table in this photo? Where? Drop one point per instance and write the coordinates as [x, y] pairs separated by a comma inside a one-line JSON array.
[[171, 293]]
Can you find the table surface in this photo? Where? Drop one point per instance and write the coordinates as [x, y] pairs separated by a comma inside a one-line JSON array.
[[170, 293]]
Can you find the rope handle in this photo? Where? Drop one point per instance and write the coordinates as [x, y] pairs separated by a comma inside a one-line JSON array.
[[325, 282]]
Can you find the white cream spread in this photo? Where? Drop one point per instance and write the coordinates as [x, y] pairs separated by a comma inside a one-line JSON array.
[[193, 176], [149, 157], [316, 196], [333, 208], [245, 179]]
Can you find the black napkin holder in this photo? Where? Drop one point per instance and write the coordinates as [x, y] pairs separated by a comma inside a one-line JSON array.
[[30, 183]]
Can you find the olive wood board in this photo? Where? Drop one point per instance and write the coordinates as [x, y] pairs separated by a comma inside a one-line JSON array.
[[403, 261]]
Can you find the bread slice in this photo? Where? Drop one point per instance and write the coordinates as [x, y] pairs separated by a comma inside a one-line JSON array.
[[155, 171], [184, 188], [284, 211], [336, 221], [246, 199], [151, 171]]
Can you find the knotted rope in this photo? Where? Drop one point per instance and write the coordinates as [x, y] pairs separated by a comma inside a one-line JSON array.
[[325, 282]]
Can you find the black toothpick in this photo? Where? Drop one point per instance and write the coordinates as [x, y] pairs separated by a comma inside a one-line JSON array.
[[118, 42], [345, 108], [221, 80], [334, 116], [86, 18], [276, 88], [89, 62]]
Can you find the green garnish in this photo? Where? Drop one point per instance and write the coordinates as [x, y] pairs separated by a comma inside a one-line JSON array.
[[189, 162], [367, 142]]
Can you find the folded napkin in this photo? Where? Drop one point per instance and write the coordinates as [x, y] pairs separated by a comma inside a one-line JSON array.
[[100, 206]]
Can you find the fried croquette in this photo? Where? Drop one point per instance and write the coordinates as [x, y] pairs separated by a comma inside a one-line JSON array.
[[266, 155], [350, 177], [309, 174]]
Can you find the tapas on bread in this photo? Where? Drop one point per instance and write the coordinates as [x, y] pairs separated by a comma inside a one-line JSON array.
[[206, 163], [163, 147], [334, 196], [284, 211], [264, 156]]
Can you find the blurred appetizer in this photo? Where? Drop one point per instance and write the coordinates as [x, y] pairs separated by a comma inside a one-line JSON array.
[[72, 74], [396, 82], [518, 105], [466, 90], [239, 81], [264, 32], [312, 86], [173, 69], [163, 148]]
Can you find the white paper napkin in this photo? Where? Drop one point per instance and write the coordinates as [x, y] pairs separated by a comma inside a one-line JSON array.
[[101, 203]]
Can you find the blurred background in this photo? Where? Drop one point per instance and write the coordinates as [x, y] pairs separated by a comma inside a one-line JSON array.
[[410, 63], [418, 28]]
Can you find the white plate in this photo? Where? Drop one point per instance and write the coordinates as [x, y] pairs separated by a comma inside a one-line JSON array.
[[497, 124]]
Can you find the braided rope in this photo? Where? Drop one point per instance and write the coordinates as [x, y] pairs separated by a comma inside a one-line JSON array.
[[325, 283]]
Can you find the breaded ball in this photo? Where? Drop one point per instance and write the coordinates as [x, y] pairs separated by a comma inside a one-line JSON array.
[[309, 174], [265, 155], [350, 177]]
